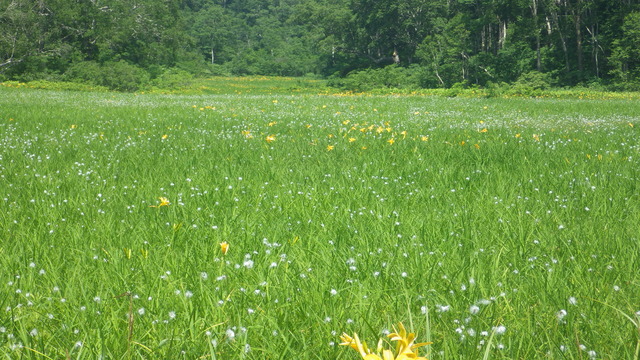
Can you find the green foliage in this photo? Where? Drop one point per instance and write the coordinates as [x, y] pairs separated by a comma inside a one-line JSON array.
[[467, 42], [118, 75], [531, 82], [173, 79], [123, 76], [86, 71], [626, 53], [391, 77], [445, 53]]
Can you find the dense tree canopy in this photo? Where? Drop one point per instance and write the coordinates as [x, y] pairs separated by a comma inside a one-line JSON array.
[[440, 42]]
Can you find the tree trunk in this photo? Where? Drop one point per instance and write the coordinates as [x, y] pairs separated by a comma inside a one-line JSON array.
[[502, 34], [534, 13], [563, 39], [596, 48], [578, 21], [435, 69]]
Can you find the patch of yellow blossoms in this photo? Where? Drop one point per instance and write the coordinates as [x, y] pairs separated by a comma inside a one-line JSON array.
[[406, 349]]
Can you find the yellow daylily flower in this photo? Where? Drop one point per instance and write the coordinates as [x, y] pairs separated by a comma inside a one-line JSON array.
[[406, 348], [405, 341], [224, 247], [163, 202]]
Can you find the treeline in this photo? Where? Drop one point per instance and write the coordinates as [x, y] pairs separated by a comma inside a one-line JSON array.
[[124, 44]]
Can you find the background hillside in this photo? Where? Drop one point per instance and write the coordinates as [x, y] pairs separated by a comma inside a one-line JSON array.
[[124, 44]]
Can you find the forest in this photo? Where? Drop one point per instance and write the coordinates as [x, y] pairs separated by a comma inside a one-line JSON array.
[[123, 44]]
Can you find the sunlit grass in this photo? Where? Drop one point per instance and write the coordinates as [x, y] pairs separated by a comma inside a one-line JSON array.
[[496, 228]]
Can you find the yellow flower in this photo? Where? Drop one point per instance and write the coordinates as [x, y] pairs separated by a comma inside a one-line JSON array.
[[355, 343], [391, 141], [406, 349], [163, 202], [165, 136], [405, 345], [424, 138], [72, 126], [270, 138], [247, 134], [224, 247], [330, 147], [352, 139]]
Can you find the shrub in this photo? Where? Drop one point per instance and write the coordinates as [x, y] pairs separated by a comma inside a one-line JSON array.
[[123, 76], [173, 79], [88, 72], [533, 80], [118, 75], [391, 76]]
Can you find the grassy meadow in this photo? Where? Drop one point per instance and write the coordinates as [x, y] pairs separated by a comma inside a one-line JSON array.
[[504, 228]]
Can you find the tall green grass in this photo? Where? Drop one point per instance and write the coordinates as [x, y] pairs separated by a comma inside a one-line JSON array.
[[504, 228]]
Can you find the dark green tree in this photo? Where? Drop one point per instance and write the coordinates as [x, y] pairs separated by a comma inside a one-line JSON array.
[[626, 51]]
